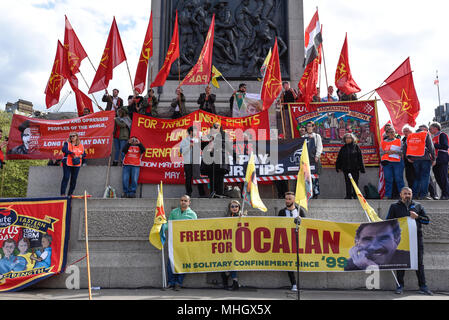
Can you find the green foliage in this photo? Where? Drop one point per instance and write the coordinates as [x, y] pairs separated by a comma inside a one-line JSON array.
[[14, 175]]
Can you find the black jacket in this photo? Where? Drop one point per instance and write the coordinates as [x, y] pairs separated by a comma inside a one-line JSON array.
[[283, 213], [350, 158], [400, 210], [210, 106]]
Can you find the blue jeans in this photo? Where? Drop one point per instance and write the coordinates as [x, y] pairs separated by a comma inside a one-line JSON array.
[[422, 177], [174, 278], [130, 173], [72, 174], [118, 147], [394, 172]]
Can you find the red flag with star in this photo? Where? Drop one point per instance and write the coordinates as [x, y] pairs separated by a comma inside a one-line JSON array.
[[401, 100], [145, 55], [343, 75], [113, 55], [172, 55], [272, 84], [56, 80]]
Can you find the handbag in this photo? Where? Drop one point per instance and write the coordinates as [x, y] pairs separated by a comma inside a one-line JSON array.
[[76, 161]]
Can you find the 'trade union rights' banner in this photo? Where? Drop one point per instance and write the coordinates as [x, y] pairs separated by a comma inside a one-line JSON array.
[[269, 244], [34, 235], [33, 138], [333, 120], [162, 137]]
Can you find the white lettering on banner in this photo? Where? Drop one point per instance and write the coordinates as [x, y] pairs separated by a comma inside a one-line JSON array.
[[172, 175]]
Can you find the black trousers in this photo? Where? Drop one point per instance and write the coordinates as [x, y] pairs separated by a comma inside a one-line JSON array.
[[420, 272], [350, 192], [188, 172], [440, 172], [216, 177]]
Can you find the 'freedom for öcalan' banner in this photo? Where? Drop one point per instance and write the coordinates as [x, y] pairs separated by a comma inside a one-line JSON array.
[[34, 236], [269, 244]]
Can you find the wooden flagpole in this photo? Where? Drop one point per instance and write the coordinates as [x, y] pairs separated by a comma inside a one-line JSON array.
[[89, 283], [130, 79], [88, 87]]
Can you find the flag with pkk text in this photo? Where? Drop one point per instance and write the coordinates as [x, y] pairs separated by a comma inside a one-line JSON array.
[[157, 234], [76, 52], [313, 39], [56, 80], [172, 55], [251, 194], [201, 72], [272, 84], [343, 75], [215, 75], [113, 55], [304, 188], [401, 100], [145, 55]]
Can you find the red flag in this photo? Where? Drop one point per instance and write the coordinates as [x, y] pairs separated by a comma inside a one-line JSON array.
[[56, 80], [404, 69], [145, 55], [343, 75], [172, 55], [401, 100], [82, 102], [202, 71], [307, 84], [272, 83], [76, 52], [113, 55]]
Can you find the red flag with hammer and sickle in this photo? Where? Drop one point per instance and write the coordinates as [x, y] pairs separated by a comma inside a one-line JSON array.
[[145, 55]]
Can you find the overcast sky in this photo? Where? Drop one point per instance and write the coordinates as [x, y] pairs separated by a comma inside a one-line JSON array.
[[381, 35]]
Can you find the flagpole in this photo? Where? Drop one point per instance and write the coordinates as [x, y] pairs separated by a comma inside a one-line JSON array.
[[438, 86], [130, 79], [324, 61], [91, 93], [228, 83], [89, 284]]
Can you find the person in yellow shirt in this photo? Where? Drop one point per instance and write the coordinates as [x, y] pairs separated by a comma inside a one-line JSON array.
[[23, 246]]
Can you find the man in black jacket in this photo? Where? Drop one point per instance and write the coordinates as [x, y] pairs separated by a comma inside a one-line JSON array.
[[406, 207], [291, 210]]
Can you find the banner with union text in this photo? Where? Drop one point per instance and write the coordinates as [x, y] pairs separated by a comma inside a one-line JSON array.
[[333, 120], [34, 235], [162, 138], [34, 138], [269, 244]]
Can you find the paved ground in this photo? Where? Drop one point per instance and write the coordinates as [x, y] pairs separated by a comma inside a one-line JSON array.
[[213, 294]]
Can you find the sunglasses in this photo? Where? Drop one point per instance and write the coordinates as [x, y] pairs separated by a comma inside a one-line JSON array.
[[233, 207], [73, 135]]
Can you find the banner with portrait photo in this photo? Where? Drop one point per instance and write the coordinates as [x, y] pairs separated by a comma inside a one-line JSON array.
[[333, 120], [34, 235], [269, 244], [34, 138]]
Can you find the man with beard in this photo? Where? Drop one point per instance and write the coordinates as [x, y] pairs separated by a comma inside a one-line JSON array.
[[406, 207]]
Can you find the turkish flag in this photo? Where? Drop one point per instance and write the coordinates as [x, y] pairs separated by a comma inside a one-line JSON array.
[[401, 100], [56, 80], [343, 75], [76, 52], [113, 55], [202, 71], [145, 55], [272, 82], [172, 55]]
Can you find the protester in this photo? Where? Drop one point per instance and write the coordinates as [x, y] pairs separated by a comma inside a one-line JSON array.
[[135, 104], [207, 101], [421, 152], [242, 89], [183, 212], [440, 170], [346, 97], [291, 210], [391, 152], [121, 133], [133, 151], [432, 182], [409, 169], [190, 148], [330, 95], [315, 147], [113, 102], [234, 210], [350, 161], [406, 207], [316, 97], [86, 111], [74, 154], [302, 131], [178, 105], [289, 95], [150, 104]]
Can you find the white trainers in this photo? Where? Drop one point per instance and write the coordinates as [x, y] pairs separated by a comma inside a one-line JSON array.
[[294, 288]]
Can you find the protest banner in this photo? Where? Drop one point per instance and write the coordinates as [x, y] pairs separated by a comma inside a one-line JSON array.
[[34, 138], [34, 236], [162, 137], [269, 244], [333, 120]]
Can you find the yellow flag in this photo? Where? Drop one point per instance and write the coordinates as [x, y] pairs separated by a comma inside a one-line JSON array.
[[157, 233], [215, 74], [373, 217], [304, 186], [250, 190], [266, 63]]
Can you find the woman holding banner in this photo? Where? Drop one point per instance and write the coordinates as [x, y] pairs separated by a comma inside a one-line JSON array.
[[74, 155]]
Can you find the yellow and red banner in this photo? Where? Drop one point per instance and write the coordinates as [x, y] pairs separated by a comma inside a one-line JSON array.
[[269, 244], [34, 235]]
